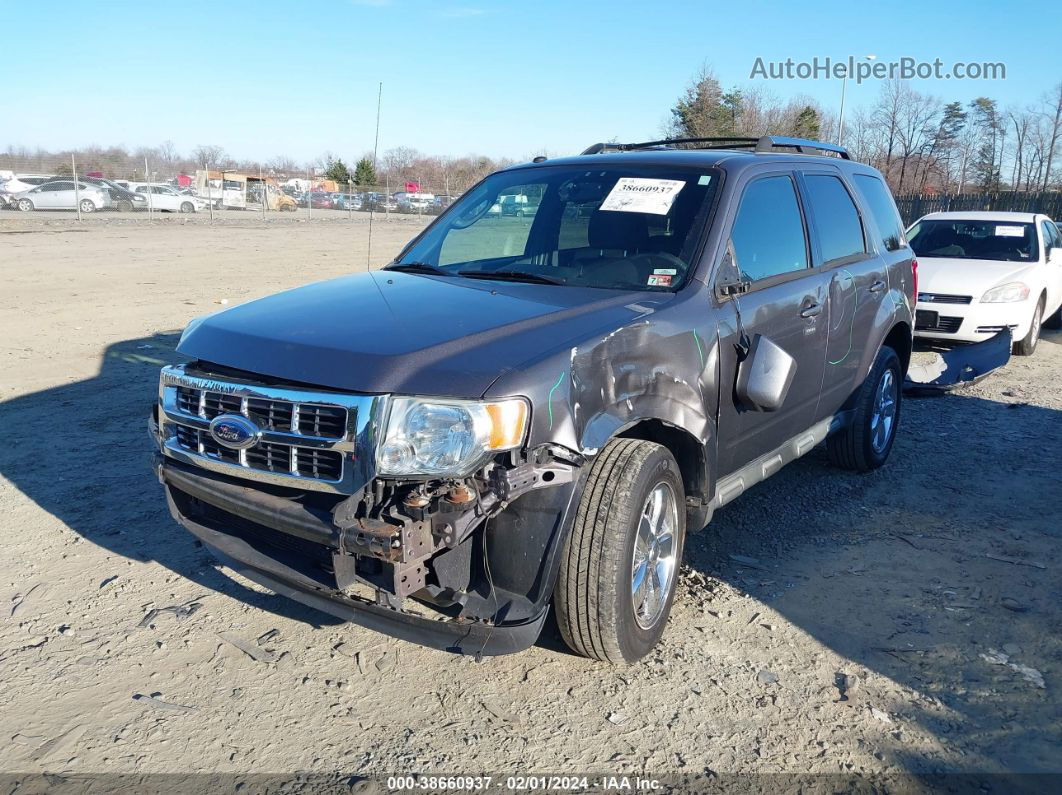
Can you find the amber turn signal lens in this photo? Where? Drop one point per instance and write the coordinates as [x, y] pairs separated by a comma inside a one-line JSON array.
[[508, 421]]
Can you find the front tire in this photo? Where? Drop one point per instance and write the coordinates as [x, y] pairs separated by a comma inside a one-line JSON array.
[[1027, 345], [187, 207], [87, 206], [620, 563], [25, 205], [125, 206], [865, 444]]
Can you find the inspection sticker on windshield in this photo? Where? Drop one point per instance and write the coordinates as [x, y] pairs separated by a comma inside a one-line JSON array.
[[659, 280], [1010, 231], [638, 195]]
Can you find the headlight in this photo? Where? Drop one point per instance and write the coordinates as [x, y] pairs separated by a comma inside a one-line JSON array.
[[425, 436], [1006, 293]]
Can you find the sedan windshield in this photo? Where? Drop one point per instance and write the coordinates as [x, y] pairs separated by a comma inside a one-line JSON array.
[[959, 239], [608, 226]]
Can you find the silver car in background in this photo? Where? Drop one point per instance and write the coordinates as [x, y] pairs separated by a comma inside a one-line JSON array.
[[61, 194]]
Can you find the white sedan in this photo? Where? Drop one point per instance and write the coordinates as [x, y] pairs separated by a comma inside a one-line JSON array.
[[163, 197], [982, 272]]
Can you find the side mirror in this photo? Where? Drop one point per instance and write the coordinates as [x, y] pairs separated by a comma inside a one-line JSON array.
[[765, 375]]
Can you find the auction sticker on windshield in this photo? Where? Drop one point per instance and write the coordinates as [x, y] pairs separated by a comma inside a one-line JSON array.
[[1010, 231], [640, 195]]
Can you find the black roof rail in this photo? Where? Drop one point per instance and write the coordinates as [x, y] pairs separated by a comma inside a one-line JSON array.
[[766, 143]]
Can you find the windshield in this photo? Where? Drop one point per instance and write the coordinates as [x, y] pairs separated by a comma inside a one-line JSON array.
[[959, 239], [619, 227]]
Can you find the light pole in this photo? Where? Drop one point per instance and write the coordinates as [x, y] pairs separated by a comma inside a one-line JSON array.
[[840, 117]]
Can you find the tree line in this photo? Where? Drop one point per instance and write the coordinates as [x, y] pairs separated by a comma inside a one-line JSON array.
[[920, 143], [394, 167]]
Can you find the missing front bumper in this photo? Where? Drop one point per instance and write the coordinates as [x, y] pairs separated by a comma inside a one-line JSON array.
[[960, 365]]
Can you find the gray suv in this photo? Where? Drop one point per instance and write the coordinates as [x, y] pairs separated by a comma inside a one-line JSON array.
[[519, 414]]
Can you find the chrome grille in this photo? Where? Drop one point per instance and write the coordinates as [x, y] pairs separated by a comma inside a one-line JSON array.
[[943, 298], [308, 419], [307, 439]]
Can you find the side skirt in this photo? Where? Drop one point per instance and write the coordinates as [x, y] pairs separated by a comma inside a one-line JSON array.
[[731, 486]]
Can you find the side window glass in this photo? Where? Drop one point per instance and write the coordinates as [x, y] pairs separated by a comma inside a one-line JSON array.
[[839, 229], [768, 234], [882, 207], [1050, 235]]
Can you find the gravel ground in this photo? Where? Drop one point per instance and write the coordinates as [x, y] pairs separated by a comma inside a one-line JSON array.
[[901, 622]]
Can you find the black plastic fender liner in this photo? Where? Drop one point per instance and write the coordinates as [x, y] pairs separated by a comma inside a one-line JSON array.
[[960, 365], [452, 636]]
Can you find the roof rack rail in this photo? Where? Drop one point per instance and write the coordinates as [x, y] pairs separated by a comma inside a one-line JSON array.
[[766, 143]]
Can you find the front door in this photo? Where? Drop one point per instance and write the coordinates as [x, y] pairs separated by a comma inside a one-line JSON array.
[[786, 303]]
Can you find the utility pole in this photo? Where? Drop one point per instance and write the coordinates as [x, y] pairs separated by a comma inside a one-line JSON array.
[[77, 192]]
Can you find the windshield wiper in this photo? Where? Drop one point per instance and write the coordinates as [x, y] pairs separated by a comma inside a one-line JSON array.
[[511, 276], [418, 267]]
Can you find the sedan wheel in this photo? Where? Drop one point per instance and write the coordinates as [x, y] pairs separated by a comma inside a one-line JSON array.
[[25, 205], [1027, 345], [187, 207], [87, 206]]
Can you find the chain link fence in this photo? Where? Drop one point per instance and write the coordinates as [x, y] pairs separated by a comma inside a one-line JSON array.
[[120, 186]]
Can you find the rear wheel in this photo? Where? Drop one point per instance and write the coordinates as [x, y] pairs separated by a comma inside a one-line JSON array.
[[87, 206], [865, 444], [621, 560], [25, 205], [1027, 345]]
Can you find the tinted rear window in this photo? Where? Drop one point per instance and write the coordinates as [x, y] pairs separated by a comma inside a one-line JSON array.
[[882, 207], [839, 229]]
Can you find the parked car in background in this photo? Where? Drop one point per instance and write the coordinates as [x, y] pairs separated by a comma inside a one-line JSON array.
[[22, 182], [518, 206], [125, 200], [164, 197], [606, 386], [318, 200], [982, 272], [347, 201], [62, 194]]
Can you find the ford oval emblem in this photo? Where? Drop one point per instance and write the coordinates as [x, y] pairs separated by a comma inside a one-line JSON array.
[[234, 431]]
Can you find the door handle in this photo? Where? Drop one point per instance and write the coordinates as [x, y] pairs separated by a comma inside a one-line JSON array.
[[877, 286], [811, 310]]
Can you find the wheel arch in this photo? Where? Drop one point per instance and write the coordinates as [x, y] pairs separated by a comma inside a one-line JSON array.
[[900, 339], [689, 453]]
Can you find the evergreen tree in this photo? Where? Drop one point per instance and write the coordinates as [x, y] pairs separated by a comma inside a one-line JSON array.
[[807, 123], [364, 173]]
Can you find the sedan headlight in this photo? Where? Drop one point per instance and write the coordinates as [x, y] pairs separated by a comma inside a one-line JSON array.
[[451, 438], [1006, 294]]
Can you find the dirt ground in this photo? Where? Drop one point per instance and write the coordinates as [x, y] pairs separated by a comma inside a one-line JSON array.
[[906, 621]]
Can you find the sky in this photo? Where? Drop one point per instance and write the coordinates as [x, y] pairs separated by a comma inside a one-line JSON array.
[[513, 78]]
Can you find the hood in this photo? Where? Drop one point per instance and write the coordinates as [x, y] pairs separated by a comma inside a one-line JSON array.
[[966, 276], [391, 332]]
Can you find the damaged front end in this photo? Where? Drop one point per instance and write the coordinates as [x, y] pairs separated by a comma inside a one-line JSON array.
[[449, 562], [961, 365]]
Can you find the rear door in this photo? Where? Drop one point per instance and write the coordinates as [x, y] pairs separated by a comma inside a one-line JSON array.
[[786, 302], [858, 281], [55, 195]]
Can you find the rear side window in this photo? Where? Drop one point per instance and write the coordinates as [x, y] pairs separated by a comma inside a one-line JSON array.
[[882, 207], [768, 235], [837, 221]]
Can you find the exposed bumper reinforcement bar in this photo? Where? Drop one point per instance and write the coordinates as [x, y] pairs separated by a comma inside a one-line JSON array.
[[447, 635]]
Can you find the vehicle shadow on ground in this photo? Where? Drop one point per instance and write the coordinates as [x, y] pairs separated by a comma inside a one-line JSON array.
[[81, 451], [929, 572]]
